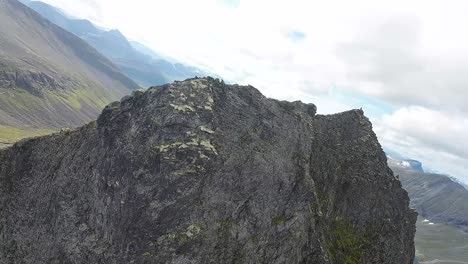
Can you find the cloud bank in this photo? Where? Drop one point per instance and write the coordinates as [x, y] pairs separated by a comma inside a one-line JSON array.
[[405, 62]]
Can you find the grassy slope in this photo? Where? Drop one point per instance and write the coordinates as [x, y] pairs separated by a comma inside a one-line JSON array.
[[50, 109], [445, 203], [64, 81], [47, 113], [440, 243], [9, 135]]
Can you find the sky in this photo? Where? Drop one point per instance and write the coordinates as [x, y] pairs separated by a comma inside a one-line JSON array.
[[404, 62]]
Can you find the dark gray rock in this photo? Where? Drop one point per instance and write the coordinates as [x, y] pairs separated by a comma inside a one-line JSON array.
[[202, 172]]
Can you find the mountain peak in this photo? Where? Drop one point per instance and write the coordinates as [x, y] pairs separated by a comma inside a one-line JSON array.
[[115, 32], [116, 35], [203, 172]]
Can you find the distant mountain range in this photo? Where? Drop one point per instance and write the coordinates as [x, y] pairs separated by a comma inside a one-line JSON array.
[[412, 165], [436, 197], [442, 204], [139, 62], [49, 78]]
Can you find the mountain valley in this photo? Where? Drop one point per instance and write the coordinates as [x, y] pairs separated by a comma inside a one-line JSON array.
[[49, 78], [442, 205]]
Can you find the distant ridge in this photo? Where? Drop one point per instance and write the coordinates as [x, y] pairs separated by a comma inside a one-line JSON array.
[[49, 78], [139, 62], [437, 197]]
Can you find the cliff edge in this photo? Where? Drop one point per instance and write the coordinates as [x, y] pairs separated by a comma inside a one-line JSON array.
[[203, 172]]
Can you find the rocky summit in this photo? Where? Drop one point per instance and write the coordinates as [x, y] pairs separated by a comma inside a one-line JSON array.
[[202, 172]]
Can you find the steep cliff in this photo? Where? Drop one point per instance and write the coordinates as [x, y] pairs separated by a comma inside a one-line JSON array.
[[202, 172]]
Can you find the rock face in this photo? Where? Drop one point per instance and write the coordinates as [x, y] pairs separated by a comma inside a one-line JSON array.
[[202, 172]]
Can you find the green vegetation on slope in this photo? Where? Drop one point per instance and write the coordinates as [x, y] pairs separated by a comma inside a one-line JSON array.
[[344, 243], [440, 243], [10, 135], [51, 109], [50, 78]]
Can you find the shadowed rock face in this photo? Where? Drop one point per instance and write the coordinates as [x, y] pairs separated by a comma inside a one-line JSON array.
[[202, 172]]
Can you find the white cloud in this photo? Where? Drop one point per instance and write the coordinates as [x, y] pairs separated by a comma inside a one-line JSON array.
[[439, 139], [409, 54], [406, 52], [390, 63]]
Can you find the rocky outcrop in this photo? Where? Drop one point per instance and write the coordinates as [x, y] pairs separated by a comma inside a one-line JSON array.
[[33, 82], [202, 172]]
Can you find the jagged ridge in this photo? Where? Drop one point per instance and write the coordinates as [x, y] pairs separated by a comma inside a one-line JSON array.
[[203, 172]]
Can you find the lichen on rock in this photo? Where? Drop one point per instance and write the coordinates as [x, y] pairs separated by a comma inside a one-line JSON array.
[[160, 179]]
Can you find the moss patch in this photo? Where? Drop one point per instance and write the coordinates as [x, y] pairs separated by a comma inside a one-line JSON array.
[[344, 243], [225, 225], [278, 220]]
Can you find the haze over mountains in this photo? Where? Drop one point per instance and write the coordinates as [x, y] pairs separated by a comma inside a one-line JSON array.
[[436, 197], [57, 74], [139, 62], [49, 78], [442, 204]]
